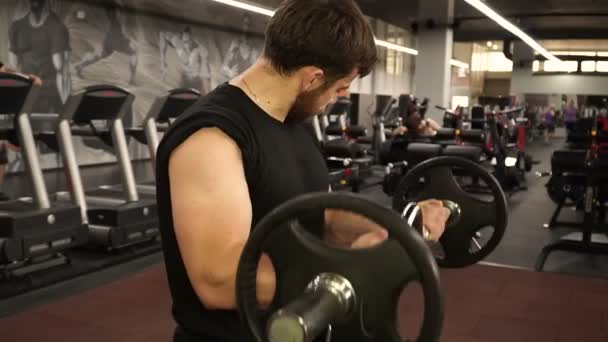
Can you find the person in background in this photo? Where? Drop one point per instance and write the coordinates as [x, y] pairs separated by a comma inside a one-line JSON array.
[[4, 145], [570, 116], [421, 127], [549, 122]]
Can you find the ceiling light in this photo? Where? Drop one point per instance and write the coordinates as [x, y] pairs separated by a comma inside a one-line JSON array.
[[247, 7], [489, 44], [495, 47], [504, 23], [459, 64], [396, 47], [270, 13]]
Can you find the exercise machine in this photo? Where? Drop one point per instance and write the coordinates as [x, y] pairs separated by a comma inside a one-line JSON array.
[[163, 112], [581, 177], [34, 231], [114, 220]]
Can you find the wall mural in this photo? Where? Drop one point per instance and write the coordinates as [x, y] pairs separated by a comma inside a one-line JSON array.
[[74, 44]]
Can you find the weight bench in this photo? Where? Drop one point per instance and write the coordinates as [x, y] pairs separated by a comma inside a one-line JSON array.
[[342, 148], [348, 162], [352, 131], [472, 136]]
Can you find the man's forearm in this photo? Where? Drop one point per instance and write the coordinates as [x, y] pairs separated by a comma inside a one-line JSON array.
[[343, 227]]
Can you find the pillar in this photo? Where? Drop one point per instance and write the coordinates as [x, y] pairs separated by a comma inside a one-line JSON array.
[[433, 70]]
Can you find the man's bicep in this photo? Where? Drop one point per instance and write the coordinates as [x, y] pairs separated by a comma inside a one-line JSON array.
[[210, 200]]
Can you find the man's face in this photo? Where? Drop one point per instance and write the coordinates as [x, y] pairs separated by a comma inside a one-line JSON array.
[[315, 101], [37, 6]]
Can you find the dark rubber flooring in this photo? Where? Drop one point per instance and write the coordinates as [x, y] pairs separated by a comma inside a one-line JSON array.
[[482, 304]]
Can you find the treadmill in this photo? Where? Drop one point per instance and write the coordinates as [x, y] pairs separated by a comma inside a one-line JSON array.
[[163, 112], [34, 232], [115, 219]]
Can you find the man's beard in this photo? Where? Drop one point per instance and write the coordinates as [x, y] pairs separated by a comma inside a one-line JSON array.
[[305, 107]]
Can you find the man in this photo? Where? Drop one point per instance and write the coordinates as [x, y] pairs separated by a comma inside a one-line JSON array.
[[241, 54], [570, 116], [40, 44], [193, 58], [242, 150], [117, 40], [549, 122]]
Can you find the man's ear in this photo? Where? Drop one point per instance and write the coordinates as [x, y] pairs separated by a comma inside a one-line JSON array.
[[313, 78]]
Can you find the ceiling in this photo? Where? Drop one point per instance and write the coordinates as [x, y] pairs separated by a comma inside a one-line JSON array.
[[542, 19]]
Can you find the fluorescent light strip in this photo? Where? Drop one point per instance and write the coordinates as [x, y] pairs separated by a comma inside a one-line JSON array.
[[459, 64], [247, 7], [396, 47], [270, 13], [490, 13]]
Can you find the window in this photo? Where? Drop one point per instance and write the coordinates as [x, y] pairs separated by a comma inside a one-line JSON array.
[[601, 66], [588, 66], [462, 101], [574, 53], [563, 66], [497, 62], [479, 59], [595, 62], [395, 59]]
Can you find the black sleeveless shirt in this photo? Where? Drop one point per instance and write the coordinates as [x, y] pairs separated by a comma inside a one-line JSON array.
[[281, 161]]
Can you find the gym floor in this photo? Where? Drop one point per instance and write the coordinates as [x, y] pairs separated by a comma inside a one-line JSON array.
[[483, 303]]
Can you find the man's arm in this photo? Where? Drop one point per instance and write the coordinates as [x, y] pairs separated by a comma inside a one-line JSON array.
[[60, 78], [212, 216], [228, 69], [162, 44], [344, 228], [13, 60]]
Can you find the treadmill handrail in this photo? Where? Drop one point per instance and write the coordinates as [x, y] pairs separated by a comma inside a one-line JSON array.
[[177, 91], [74, 101]]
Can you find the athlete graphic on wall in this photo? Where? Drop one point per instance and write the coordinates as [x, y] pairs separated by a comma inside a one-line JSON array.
[[193, 59], [40, 45], [116, 40], [241, 54]]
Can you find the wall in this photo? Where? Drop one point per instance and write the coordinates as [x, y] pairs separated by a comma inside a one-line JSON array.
[[469, 82], [496, 87], [524, 82], [84, 43], [119, 42]]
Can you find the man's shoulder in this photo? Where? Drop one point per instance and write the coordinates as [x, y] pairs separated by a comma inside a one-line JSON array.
[[53, 22], [19, 24], [217, 108]]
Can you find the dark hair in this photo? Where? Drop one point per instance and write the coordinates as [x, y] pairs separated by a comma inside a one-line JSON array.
[[332, 35], [413, 122]]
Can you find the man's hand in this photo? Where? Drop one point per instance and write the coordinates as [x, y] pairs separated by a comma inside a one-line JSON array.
[[401, 130], [36, 79], [434, 217]]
